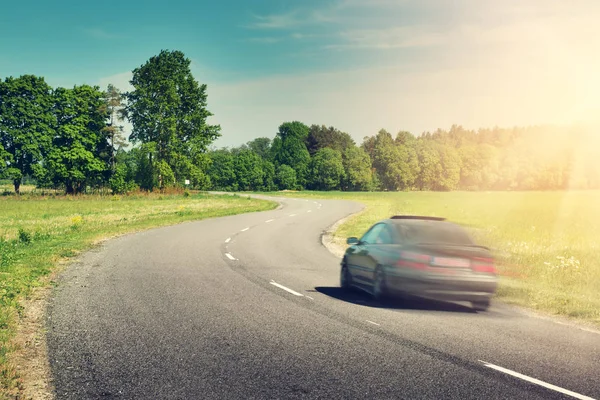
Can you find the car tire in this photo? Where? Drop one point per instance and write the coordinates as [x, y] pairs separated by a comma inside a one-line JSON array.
[[380, 291], [345, 278], [481, 305]]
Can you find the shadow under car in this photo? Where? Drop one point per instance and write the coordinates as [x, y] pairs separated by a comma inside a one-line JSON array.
[[359, 297]]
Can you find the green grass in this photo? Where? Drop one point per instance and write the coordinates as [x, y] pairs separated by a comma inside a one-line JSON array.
[[36, 232], [547, 244]]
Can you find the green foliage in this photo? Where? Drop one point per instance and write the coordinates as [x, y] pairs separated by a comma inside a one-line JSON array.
[[326, 170], [269, 175], [320, 137], [357, 169], [249, 171], [119, 182], [286, 177], [24, 236], [168, 108], [222, 170], [289, 148], [26, 126], [395, 163], [75, 157], [261, 146]]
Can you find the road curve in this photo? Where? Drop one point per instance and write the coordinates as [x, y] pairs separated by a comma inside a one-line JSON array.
[[249, 307]]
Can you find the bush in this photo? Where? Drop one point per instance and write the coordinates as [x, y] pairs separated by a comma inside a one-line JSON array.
[[24, 236]]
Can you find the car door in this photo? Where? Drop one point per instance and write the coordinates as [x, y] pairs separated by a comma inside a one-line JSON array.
[[380, 251], [360, 260]]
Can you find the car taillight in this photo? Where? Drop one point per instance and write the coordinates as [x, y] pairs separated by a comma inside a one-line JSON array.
[[413, 260], [483, 265]]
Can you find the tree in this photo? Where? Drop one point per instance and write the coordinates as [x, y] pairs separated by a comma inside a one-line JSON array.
[[222, 170], [289, 148], [249, 171], [168, 107], [448, 173], [321, 136], [26, 122], [429, 162], [260, 146], [357, 169], [115, 108], [326, 169], [396, 165], [269, 175], [285, 177], [76, 155]]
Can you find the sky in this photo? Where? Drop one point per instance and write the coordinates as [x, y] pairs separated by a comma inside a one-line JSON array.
[[358, 65]]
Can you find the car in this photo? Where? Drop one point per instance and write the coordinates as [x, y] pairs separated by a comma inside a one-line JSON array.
[[428, 257]]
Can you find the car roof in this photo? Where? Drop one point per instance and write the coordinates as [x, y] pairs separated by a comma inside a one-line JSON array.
[[417, 217]]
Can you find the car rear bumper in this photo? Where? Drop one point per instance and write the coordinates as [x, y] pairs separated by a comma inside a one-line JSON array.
[[475, 288]]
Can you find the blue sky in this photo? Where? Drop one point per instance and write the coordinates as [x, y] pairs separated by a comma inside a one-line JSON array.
[[354, 64]]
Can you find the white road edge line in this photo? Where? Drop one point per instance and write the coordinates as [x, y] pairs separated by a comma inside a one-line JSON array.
[[227, 240], [536, 381], [286, 289], [244, 230], [269, 220], [374, 323], [230, 256]]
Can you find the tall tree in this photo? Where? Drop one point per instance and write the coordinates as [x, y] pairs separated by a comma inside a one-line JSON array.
[[168, 107], [260, 146], [115, 108], [26, 126], [285, 178], [76, 157], [326, 170], [395, 164], [289, 148], [222, 170], [357, 169], [249, 170], [320, 136]]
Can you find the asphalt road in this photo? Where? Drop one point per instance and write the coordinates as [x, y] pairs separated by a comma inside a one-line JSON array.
[[249, 307]]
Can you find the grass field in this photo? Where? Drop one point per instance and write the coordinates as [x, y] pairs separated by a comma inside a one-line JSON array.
[[36, 232], [546, 243]]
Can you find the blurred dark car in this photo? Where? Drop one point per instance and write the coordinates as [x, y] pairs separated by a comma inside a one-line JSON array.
[[420, 256]]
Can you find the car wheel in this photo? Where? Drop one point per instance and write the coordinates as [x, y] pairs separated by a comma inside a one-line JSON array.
[[481, 305], [379, 284], [345, 278]]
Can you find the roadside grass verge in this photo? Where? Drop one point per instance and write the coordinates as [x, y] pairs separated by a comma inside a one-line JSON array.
[[37, 232], [546, 244]]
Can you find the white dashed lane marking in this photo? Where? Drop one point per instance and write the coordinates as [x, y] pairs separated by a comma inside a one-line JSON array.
[[536, 381], [374, 323], [230, 256], [227, 240], [269, 220], [292, 215], [244, 230], [286, 289]]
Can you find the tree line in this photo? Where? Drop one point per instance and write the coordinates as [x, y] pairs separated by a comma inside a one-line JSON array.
[[71, 139], [318, 157]]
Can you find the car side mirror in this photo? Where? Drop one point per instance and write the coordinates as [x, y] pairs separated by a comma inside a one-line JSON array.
[[352, 240]]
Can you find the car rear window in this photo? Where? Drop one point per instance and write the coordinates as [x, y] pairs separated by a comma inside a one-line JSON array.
[[435, 232]]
